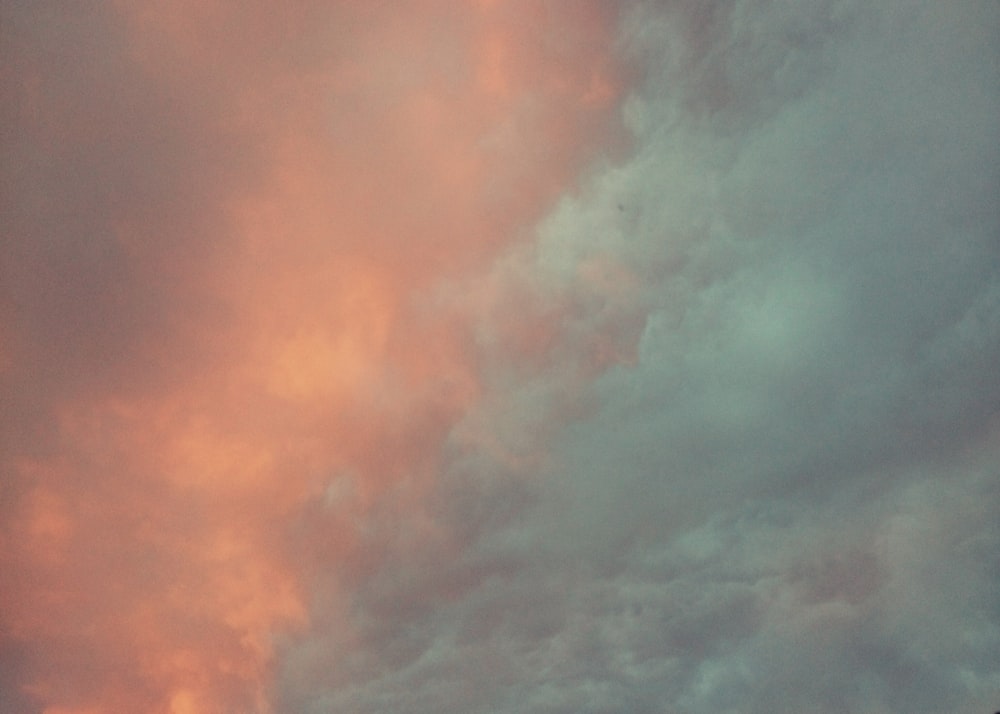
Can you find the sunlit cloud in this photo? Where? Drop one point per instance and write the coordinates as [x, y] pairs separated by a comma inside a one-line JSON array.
[[499, 356]]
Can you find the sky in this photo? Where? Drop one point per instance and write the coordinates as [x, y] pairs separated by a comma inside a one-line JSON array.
[[475, 357]]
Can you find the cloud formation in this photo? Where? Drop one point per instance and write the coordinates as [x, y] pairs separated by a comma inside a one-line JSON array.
[[503, 357]]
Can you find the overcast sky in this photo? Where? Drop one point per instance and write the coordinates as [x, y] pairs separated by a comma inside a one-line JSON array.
[[528, 357]]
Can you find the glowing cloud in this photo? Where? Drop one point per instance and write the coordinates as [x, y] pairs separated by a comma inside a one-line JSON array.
[[499, 356], [225, 229]]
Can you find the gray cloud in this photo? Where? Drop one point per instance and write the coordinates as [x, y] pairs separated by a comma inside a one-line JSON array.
[[776, 488]]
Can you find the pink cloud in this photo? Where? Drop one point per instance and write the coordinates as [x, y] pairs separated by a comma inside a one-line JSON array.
[[230, 216]]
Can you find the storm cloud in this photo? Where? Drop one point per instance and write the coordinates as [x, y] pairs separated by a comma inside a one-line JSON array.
[[500, 357]]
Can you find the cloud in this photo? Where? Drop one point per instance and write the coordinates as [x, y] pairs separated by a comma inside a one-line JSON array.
[[733, 380], [517, 357], [225, 377]]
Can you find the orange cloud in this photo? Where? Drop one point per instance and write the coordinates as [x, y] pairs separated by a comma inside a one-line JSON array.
[[235, 306]]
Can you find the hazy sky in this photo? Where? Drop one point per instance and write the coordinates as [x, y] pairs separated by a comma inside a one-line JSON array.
[[479, 357]]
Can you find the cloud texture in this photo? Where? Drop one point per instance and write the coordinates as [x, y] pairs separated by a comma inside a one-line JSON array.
[[500, 357]]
